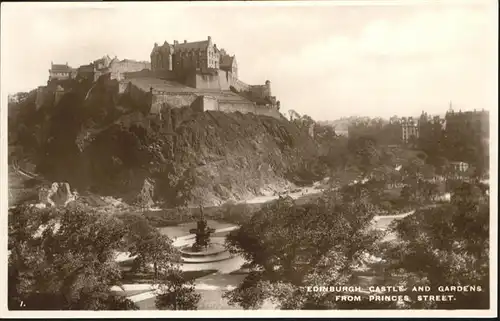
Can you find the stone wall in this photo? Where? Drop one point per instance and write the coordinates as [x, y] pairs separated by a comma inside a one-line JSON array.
[[229, 106], [244, 108], [155, 100], [240, 85], [174, 100], [208, 81], [59, 93], [119, 68], [260, 91], [141, 98], [209, 103], [204, 103], [268, 111], [43, 96], [221, 81], [146, 73]]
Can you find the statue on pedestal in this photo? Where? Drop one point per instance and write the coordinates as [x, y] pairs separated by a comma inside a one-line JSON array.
[[202, 232]]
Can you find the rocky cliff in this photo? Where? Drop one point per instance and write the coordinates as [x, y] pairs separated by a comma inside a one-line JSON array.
[[101, 143]]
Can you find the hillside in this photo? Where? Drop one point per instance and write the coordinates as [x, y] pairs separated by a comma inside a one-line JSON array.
[[102, 144]]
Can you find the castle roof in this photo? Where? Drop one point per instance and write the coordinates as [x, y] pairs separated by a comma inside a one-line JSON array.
[[86, 68], [132, 61], [60, 68], [163, 47], [184, 46], [197, 45], [226, 61]]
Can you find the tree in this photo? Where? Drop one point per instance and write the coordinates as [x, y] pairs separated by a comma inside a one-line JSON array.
[[412, 141], [174, 292], [428, 171], [406, 193], [148, 244], [364, 151], [446, 245], [235, 213], [429, 190], [63, 259], [442, 165], [289, 246], [150, 247], [413, 168]]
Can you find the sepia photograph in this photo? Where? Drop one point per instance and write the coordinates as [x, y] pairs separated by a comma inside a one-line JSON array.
[[249, 158]]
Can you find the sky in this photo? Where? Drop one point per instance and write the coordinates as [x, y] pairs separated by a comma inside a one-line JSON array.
[[324, 59]]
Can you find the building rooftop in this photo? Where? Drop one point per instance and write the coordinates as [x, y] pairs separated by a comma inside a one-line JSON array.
[[192, 45], [131, 60], [60, 68], [226, 61], [86, 68]]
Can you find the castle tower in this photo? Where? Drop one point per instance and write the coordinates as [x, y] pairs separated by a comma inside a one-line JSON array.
[[161, 57], [268, 89]]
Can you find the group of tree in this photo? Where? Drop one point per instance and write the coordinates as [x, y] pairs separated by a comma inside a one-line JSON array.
[[64, 259], [362, 152], [462, 138], [446, 245], [291, 247]]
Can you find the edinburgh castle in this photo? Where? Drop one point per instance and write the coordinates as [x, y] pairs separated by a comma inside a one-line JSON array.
[[188, 74]]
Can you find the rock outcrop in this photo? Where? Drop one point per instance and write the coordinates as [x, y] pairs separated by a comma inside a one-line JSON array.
[[58, 194], [105, 145], [145, 197]]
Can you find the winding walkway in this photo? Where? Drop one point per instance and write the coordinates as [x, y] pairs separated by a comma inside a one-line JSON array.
[[151, 290]]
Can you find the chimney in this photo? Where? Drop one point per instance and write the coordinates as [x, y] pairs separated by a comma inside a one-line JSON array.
[[209, 38], [66, 63], [176, 42], [185, 41]]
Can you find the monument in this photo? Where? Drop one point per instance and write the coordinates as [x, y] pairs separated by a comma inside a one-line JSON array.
[[205, 249], [202, 232]]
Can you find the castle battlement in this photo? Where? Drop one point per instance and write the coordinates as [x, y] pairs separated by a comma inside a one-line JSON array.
[[177, 75]]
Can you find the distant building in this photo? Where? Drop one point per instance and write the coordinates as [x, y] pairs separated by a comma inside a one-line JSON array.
[[61, 72], [426, 119], [474, 120], [459, 166], [102, 63], [341, 131], [409, 128], [117, 68]]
